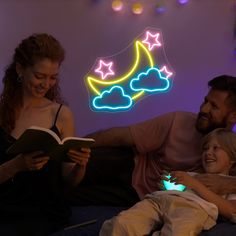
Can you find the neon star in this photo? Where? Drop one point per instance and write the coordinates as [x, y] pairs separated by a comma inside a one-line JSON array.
[[105, 69], [152, 40], [166, 72]]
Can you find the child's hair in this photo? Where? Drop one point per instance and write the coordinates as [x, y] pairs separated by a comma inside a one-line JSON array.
[[226, 139]]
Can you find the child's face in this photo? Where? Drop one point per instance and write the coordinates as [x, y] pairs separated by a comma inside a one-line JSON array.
[[214, 159]]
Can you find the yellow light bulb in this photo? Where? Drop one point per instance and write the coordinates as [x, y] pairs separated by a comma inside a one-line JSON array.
[[137, 8]]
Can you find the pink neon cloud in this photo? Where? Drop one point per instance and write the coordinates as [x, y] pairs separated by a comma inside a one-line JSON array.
[[166, 72], [104, 69], [152, 40]]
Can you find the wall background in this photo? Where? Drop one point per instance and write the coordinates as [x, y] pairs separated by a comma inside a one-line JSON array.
[[198, 40]]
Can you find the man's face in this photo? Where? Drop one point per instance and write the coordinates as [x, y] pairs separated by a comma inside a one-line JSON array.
[[214, 112]]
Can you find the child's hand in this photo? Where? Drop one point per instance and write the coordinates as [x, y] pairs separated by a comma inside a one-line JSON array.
[[163, 176], [182, 177]]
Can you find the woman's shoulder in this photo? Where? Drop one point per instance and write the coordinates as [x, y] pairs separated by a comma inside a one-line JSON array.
[[64, 112]]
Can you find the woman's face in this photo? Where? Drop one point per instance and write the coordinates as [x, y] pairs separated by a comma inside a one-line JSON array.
[[37, 80]]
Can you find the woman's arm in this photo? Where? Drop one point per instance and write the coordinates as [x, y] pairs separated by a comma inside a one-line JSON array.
[[226, 207], [73, 172], [22, 162], [8, 170]]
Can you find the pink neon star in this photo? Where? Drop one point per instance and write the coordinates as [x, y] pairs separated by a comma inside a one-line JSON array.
[[104, 69], [152, 40], [166, 72]]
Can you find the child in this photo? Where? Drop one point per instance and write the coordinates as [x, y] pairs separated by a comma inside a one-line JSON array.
[[183, 213]]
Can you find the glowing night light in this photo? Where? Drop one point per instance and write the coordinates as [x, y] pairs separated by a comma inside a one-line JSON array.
[[118, 94], [137, 8], [166, 72], [94, 82], [172, 186], [142, 82], [143, 76], [104, 69], [117, 5], [152, 40]]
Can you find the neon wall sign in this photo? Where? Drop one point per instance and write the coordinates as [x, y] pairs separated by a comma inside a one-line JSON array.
[[112, 89]]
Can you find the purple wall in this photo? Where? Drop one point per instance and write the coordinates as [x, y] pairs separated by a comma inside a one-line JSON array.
[[198, 40]]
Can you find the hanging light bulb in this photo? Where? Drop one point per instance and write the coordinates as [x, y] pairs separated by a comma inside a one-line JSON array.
[[137, 8], [182, 2], [117, 5], [160, 7]]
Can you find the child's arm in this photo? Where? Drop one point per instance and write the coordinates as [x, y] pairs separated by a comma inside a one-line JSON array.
[[226, 207]]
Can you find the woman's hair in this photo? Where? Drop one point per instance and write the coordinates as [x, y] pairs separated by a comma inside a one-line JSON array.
[[31, 50], [226, 139]]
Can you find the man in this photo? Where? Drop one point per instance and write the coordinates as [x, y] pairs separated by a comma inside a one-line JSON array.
[[172, 141]]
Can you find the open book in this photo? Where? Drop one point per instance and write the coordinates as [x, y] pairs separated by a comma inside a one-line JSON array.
[[42, 139]]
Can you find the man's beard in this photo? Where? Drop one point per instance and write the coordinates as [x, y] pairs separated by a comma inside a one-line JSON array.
[[204, 124]]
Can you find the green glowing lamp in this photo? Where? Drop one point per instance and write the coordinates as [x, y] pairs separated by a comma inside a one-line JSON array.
[[167, 185]]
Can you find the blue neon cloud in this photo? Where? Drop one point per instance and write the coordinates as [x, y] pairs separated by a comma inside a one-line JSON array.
[[113, 99], [150, 81]]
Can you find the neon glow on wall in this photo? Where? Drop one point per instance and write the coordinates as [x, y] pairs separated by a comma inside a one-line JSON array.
[[113, 89]]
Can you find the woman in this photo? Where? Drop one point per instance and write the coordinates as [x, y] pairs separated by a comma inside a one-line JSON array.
[[30, 183]]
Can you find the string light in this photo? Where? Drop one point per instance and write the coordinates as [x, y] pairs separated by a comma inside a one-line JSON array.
[[183, 2], [160, 6], [117, 5], [137, 8], [113, 90]]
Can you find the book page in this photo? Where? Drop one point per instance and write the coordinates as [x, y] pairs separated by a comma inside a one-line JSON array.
[[53, 134], [78, 138]]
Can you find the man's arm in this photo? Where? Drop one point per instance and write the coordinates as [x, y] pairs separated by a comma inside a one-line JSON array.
[[218, 183], [113, 137], [227, 208]]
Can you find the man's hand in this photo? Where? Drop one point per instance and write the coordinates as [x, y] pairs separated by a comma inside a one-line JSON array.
[[218, 183]]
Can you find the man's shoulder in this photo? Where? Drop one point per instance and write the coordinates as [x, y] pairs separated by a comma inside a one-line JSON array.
[[185, 114], [184, 119], [182, 116], [169, 119]]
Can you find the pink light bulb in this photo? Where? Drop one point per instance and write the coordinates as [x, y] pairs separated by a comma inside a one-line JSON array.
[[117, 5]]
